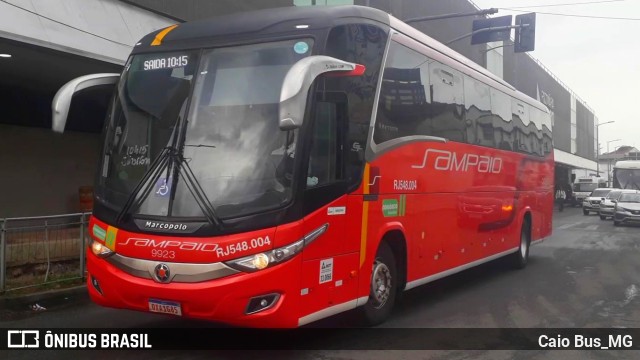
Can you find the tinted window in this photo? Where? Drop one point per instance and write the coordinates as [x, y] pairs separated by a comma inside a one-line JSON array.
[[445, 114], [419, 96], [362, 44], [600, 193], [634, 197], [614, 195], [477, 102], [584, 187], [502, 122], [403, 96], [324, 161]]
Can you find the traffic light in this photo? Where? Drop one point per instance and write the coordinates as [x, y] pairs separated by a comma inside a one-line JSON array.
[[525, 32]]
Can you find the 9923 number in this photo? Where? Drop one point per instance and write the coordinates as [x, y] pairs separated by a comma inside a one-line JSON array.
[[163, 254]]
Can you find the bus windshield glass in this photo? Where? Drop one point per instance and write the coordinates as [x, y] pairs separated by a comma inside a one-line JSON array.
[[627, 178], [219, 111]]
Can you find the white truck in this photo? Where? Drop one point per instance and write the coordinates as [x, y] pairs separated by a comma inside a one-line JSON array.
[[583, 186]]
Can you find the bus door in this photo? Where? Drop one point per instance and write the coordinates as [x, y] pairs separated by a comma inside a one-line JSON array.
[[330, 260]]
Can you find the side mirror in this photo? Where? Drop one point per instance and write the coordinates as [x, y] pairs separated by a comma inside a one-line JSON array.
[[62, 100], [298, 80], [602, 199]]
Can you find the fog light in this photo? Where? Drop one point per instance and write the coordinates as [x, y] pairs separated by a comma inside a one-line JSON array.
[[260, 261], [96, 284], [261, 303]]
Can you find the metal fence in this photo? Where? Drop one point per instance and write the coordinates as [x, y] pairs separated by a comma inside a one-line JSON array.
[[42, 250]]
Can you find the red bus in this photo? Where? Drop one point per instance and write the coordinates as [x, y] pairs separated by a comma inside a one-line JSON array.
[[272, 168]]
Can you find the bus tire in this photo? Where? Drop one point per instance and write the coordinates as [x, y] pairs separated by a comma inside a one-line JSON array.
[[585, 212], [520, 258], [602, 217], [382, 288]]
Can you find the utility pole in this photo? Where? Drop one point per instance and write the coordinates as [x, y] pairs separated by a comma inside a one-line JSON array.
[[598, 147]]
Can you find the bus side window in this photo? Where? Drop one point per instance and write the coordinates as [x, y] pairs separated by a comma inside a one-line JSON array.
[[479, 119], [404, 95], [446, 107], [502, 123], [326, 160]]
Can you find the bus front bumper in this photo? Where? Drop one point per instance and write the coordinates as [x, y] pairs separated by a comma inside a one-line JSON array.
[[225, 300]]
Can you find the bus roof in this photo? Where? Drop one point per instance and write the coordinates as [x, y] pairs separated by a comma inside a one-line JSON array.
[[201, 33], [627, 164], [224, 29]]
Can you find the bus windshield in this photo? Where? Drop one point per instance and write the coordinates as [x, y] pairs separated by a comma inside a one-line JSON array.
[[627, 178], [227, 131]]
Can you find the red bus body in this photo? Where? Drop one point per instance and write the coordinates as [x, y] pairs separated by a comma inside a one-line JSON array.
[[443, 206]]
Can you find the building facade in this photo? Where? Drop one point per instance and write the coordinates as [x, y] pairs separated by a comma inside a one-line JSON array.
[[53, 44]]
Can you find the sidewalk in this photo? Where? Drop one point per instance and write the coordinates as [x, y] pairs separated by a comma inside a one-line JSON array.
[[19, 306]]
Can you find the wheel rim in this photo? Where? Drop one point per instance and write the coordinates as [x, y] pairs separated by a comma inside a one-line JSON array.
[[523, 244], [380, 284]]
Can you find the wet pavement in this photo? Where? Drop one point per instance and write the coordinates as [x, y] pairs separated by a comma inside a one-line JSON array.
[[585, 275]]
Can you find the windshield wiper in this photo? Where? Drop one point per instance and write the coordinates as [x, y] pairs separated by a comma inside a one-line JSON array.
[[144, 184], [167, 159], [197, 191]]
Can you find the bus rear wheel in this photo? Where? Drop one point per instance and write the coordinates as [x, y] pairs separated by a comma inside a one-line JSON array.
[[521, 257], [383, 287]]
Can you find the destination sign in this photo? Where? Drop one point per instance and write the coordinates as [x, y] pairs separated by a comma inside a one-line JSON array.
[[166, 62]]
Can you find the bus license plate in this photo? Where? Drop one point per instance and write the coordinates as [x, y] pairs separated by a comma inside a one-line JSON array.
[[165, 307]]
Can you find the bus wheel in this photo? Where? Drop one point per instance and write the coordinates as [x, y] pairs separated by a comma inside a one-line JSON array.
[[383, 288], [521, 257]]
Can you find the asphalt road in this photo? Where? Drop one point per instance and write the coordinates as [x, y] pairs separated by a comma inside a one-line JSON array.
[[585, 275]]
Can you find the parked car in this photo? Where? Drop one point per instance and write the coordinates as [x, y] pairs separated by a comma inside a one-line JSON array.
[[608, 203], [627, 208], [592, 202]]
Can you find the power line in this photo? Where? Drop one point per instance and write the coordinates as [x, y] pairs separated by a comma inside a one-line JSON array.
[[67, 25], [567, 4], [574, 15]]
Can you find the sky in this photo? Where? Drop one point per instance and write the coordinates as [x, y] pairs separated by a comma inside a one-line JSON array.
[[599, 59]]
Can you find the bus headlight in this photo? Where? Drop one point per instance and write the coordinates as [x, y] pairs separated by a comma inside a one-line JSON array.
[[260, 261], [100, 250], [264, 260]]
